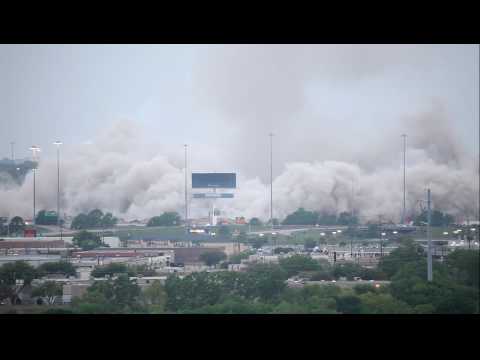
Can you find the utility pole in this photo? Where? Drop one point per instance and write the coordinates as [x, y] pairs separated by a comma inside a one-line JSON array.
[[34, 150], [57, 144], [404, 175], [186, 195], [12, 147], [429, 238], [353, 225], [271, 179]]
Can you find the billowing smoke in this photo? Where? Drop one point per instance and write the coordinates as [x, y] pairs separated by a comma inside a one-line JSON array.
[[337, 113]]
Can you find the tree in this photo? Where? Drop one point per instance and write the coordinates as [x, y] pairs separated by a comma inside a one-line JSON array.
[[17, 224], [297, 263], [346, 218], [49, 291], [372, 303], [211, 258], [348, 270], [349, 304], [80, 222], [301, 217], [155, 296], [464, 266], [237, 258], [46, 219], [110, 270], [169, 218], [60, 267], [327, 219], [10, 273], [408, 252], [438, 218], [87, 240], [265, 281], [94, 219], [195, 290], [255, 222], [104, 297], [108, 220]]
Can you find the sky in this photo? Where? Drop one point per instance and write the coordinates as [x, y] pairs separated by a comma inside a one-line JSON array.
[[324, 103]]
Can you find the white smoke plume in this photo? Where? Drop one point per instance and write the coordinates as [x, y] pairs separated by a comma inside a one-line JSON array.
[[337, 113], [113, 175]]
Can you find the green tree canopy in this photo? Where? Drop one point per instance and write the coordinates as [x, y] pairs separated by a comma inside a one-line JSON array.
[[301, 217], [17, 224], [49, 291], [169, 218], [255, 221], [464, 265], [110, 270], [93, 220], [59, 267], [211, 258], [346, 218], [46, 218], [297, 263], [87, 240], [407, 252]]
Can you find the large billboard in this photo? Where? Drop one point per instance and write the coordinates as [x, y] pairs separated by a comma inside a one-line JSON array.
[[214, 180]]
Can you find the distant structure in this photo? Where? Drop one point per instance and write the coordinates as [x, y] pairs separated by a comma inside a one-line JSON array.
[[15, 171]]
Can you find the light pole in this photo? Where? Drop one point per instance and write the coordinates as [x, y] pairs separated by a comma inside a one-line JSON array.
[[186, 196], [12, 146], [34, 150], [429, 238], [57, 144], [381, 244], [404, 174], [271, 179]]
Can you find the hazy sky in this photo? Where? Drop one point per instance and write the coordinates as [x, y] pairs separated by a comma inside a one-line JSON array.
[[227, 95], [343, 103]]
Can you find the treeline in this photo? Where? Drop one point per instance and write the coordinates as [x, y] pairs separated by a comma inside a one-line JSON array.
[[94, 219], [168, 218], [305, 217]]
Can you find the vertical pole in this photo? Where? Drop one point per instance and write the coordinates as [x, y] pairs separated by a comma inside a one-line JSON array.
[[34, 220], [404, 175], [58, 189], [12, 145], [429, 238], [271, 179], [186, 196], [353, 225]]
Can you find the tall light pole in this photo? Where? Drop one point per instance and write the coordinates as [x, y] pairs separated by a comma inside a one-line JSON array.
[[429, 238], [404, 174], [186, 195], [271, 179], [12, 147], [34, 150], [57, 144]]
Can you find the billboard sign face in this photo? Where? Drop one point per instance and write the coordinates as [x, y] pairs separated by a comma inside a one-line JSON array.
[[212, 196], [214, 180]]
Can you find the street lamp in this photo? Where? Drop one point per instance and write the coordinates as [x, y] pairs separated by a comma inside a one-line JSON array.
[[34, 150], [381, 244], [57, 144]]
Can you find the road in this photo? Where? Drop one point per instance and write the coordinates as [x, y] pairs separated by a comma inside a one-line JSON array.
[[289, 231]]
